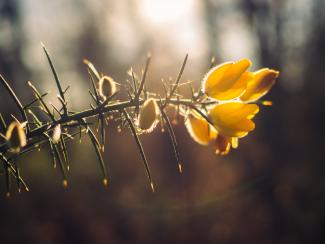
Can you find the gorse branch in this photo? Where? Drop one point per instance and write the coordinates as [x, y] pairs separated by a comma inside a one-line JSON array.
[[221, 110]]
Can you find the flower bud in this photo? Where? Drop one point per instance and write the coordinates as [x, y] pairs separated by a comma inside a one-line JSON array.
[[149, 115], [56, 134], [107, 87], [16, 137]]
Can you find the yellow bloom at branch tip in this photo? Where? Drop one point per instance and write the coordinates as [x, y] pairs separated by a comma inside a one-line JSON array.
[[148, 115], [227, 80], [202, 132], [16, 137], [233, 119], [262, 82]]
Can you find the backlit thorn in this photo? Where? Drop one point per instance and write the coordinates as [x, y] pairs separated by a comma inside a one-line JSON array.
[[152, 187], [105, 182], [68, 168], [267, 103], [212, 62], [65, 183], [180, 168], [27, 189]]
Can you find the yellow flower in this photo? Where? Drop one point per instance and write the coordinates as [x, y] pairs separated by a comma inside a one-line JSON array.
[[107, 87], [200, 130], [228, 80], [263, 80], [233, 119], [16, 137], [148, 115]]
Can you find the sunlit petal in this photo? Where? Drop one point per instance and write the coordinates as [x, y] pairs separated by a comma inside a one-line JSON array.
[[234, 119], [263, 81], [228, 80], [199, 129]]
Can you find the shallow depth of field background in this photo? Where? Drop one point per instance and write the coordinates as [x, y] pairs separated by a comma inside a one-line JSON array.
[[270, 190]]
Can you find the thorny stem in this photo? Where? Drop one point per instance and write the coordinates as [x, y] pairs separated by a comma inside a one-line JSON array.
[[127, 109], [118, 106]]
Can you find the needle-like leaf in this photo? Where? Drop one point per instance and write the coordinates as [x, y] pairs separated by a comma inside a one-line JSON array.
[[175, 85], [172, 137], [40, 99], [99, 155], [137, 140], [65, 152], [3, 126], [14, 97], [57, 80], [92, 68]]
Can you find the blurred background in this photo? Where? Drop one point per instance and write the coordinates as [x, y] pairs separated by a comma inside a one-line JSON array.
[[270, 190]]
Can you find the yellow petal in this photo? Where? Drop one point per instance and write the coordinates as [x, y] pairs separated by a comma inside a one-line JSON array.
[[233, 74], [236, 90], [263, 81], [214, 76], [233, 119], [228, 80], [199, 129]]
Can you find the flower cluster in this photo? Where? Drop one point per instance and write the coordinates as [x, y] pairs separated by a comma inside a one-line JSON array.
[[235, 91]]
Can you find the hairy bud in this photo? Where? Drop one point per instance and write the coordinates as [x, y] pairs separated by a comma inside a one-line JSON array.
[[16, 137], [56, 133], [148, 116], [107, 87]]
